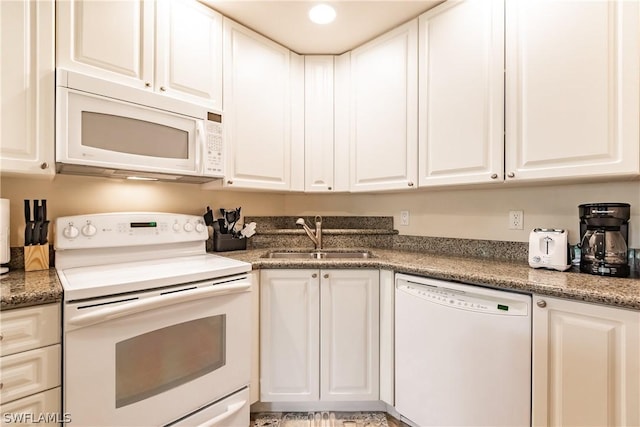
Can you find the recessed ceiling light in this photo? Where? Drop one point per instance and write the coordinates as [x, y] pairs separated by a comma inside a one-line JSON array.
[[322, 14]]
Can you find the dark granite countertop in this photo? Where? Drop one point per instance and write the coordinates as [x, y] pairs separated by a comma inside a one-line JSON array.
[[19, 288], [620, 292]]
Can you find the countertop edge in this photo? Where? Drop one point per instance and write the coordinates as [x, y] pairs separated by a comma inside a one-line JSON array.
[[506, 275]]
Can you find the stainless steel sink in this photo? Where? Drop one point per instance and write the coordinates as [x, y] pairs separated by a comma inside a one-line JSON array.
[[319, 255]]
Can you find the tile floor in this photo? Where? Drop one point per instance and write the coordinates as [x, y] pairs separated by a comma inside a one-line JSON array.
[[341, 419]]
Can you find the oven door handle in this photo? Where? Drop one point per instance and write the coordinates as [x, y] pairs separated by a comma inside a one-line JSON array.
[[127, 309], [231, 410]]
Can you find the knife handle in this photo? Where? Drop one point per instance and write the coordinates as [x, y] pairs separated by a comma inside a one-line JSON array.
[[44, 230], [28, 233], [44, 209], [27, 211], [37, 211]]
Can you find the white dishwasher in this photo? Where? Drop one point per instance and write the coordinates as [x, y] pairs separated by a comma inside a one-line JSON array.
[[463, 354]]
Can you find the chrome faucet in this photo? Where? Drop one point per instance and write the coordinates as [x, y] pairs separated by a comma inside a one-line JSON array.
[[316, 237]]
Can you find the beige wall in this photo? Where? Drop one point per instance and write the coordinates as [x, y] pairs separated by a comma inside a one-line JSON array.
[[474, 213], [73, 195], [479, 213]]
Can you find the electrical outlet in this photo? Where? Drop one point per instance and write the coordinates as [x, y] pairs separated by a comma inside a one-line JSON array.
[[516, 220], [404, 217]]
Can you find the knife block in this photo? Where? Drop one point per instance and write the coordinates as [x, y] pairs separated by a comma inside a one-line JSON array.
[[36, 257]]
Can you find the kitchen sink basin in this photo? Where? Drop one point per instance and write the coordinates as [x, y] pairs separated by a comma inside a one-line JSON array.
[[319, 255]]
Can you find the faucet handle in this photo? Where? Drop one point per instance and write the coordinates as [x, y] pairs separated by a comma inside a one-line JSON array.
[[318, 219]]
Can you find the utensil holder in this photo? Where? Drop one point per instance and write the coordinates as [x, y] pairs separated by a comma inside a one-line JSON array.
[[226, 242], [36, 257]]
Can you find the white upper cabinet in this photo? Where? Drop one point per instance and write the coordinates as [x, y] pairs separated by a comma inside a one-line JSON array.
[[117, 41], [27, 82], [573, 94], [461, 96], [384, 111], [319, 122], [264, 129], [109, 40], [189, 48], [326, 122]]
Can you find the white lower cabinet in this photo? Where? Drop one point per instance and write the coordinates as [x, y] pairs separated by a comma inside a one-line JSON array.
[[319, 335], [586, 364], [30, 374]]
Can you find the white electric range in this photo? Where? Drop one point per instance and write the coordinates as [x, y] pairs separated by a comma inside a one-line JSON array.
[[155, 330]]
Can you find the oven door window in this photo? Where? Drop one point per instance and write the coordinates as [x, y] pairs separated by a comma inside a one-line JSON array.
[[128, 135], [163, 359]]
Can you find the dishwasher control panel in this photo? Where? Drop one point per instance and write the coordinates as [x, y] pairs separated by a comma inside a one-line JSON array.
[[464, 300]]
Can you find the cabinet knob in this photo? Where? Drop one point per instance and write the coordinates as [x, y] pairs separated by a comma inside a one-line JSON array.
[[44, 165], [410, 184], [494, 176], [230, 182], [541, 303], [1, 337], [1, 386], [511, 174], [163, 89], [329, 188], [314, 275], [326, 276], [147, 84]]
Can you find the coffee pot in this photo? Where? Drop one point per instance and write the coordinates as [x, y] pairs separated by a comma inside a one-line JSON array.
[[604, 235]]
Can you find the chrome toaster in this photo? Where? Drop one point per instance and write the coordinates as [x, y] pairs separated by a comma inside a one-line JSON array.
[[549, 248]]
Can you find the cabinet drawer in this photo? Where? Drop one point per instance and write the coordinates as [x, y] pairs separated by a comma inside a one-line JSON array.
[[28, 328], [42, 409], [29, 372]]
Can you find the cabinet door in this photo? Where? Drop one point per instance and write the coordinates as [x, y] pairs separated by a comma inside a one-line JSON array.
[[384, 111], [572, 91], [289, 335], [586, 364], [44, 409], [109, 40], [258, 100], [29, 372], [349, 312], [27, 87], [318, 122], [461, 78], [189, 47], [28, 328]]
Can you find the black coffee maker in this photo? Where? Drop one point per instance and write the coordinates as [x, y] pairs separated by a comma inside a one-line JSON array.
[[604, 233]]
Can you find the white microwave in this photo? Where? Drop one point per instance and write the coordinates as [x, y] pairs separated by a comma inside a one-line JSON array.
[[106, 129]]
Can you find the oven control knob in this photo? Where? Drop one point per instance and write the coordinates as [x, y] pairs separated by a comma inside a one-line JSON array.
[[199, 227], [176, 226], [70, 232], [89, 230], [188, 227]]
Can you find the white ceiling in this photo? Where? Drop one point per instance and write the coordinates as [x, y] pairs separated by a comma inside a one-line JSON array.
[[287, 23]]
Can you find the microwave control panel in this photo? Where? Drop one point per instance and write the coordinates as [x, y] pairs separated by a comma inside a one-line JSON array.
[[214, 146]]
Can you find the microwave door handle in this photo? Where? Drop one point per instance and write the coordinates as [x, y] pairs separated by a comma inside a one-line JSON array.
[[231, 410], [127, 309], [201, 145]]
